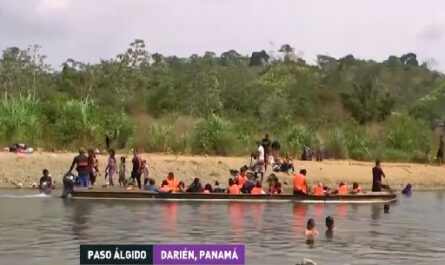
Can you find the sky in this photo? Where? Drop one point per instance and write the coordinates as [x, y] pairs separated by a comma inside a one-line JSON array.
[[88, 30]]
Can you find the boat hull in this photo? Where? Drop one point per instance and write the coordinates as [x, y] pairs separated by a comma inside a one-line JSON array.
[[374, 197]]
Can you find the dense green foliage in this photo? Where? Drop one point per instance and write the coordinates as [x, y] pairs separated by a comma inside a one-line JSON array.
[[350, 108]]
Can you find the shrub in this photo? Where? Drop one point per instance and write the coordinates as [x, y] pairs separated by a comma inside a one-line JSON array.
[[80, 123], [336, 145], [299, 136], [159, 137], [20, 120], [407, 134], [214, 136]]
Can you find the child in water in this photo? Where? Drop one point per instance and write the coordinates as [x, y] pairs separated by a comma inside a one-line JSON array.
[[310, 229], [329, 227], [122, 169]]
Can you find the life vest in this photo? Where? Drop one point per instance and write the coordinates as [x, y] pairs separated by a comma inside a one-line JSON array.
[[172, 184], [299, 184], [342, 189], [206, 191], [234, 189], [241, 180], [82, 161], [317, 190], [256, 190]]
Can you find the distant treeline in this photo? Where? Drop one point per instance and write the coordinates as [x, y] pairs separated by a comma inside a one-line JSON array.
[[351, 108]]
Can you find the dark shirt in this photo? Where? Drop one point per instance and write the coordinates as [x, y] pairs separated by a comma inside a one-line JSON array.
[[377, 174], [48, 181], [195, 187], [266, 144], [82, 164], [136, 164]]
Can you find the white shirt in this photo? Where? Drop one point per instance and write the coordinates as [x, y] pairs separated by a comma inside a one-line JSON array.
[[260, 153]]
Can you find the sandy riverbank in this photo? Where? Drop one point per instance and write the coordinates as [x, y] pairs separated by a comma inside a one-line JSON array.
[[27, 168]]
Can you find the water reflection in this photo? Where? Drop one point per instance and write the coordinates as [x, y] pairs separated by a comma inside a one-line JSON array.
[[375, 212], [170, 210], [299, 214], [412, 234], [341, 210], [236, 217], [81, 211]]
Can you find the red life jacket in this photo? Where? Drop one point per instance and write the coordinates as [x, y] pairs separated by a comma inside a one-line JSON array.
[[342, 189]]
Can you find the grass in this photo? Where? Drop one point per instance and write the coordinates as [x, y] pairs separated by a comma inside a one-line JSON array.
[[78, 123]]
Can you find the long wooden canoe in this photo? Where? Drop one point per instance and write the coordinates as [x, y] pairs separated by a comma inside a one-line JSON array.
[[370, 197]]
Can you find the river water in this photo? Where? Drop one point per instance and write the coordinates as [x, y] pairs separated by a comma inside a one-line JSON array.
[[38, 230]]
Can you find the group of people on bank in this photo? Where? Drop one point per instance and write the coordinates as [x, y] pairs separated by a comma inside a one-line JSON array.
[[300, 185], [87, 167]]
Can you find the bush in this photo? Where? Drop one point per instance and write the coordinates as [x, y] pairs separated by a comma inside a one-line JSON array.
[[159, 137], [336, 145], [79, 123], [180, 144], [297, 137], [214, 136], [20, 120], [407, 134]]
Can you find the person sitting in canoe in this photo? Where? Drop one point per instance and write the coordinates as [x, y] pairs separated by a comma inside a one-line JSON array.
[[242, 177], [247, 186], [356, 189], [233, 187], [165, 186], [46, 183], [151, 187], [208, 188], [217, 188], [181, 187], [257, 189], [171, 181], [318, 189], [275, 188], [300, 185], [342, 189], [196, 186]]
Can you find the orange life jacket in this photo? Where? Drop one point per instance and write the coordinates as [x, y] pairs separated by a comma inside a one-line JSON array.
[[234, 189], [299, 183], [256, 190], [317, 190], [342, 189], [172, 184], [206, 191], [241, 180]]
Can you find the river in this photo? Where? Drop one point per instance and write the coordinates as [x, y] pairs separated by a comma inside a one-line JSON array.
[[38, 230]]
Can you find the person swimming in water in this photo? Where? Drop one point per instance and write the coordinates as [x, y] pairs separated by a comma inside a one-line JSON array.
[[45, 183], [310, 232], [310, 228], [329, 227]]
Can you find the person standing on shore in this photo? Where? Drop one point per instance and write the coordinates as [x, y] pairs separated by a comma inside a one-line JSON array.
[[82, 166], [94, 164], [111, 167], [266, 143], [440, 150], [137, 168], [377, 174], [261, 155]]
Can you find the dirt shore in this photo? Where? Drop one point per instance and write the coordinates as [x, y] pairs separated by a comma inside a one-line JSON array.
[[25, 169]]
